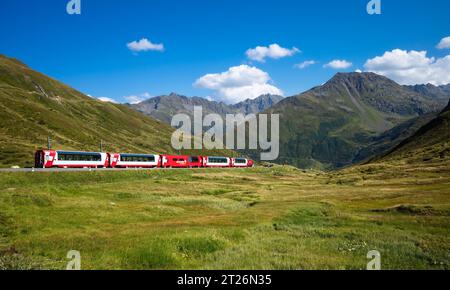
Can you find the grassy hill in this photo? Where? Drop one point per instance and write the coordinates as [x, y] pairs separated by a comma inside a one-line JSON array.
[[332, 125], [383, 143], [430, 142], [34, 106]]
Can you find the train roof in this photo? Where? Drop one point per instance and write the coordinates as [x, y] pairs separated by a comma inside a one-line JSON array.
[[131, 154], [217, 157], [77, 152]]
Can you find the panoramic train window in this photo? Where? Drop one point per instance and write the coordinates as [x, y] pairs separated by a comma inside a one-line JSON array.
[[217, 160], [193, 159], [73, 156], [240, 161], [137, 158]]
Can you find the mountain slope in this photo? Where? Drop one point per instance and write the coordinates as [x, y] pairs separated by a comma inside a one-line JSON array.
[[328, 126], [165, 107], [445, 88], [441, 93], [33, 106], [386, 141], [257, 105], [432, 141]]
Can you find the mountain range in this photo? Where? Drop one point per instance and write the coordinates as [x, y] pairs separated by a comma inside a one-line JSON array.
[[348, 119], [436, 92], [352, 118], [165, 107], [357, 115]]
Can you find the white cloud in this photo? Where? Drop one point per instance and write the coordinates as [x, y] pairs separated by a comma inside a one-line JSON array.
[[136, 99], [107, 100], [338, 64], [305, 64], [358, 71], [275, 51], [444, 44], [238, 84], [144, 45], [411, 67]]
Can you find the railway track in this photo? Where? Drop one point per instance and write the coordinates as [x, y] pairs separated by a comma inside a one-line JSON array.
[[88, 169]]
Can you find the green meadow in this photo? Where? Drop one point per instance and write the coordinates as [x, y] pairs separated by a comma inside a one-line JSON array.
[[261, 218]]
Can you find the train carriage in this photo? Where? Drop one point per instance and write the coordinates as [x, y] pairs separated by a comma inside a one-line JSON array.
[[174, 161], [70, 159], [218, 162], [181, 161], [122, 160], [241, 162]]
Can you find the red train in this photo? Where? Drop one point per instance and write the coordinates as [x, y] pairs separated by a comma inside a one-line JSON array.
[[71, 159]]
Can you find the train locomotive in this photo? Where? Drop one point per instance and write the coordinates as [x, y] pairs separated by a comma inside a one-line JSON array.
[[73, 159]]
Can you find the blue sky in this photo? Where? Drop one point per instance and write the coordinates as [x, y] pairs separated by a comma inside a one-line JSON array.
[[200, 37]]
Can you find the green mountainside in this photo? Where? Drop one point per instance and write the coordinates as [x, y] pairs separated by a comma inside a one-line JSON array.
[[332, 125], [384, 142], [34, 106], [430, 142]]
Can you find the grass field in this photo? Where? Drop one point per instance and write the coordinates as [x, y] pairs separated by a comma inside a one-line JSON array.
[[262, 218]]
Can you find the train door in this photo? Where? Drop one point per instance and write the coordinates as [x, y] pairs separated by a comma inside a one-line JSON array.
[[164, 161], [39, 159], [107, 163]]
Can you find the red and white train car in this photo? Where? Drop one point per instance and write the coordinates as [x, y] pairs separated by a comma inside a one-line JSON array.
[[218, 162], [70, 159], [241, 162], [181, 161], [118, 160]]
